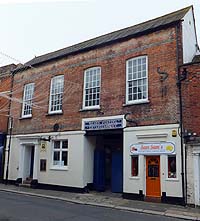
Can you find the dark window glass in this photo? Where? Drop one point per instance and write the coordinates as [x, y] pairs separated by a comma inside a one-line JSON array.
[[171, 166], [134, 162]]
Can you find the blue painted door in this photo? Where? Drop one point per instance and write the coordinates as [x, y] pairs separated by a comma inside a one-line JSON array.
[[117, 172], [99, 170]]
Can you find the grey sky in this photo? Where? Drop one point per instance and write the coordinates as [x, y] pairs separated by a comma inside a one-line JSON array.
[[39, 27]]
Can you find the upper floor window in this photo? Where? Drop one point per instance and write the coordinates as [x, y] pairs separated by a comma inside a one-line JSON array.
[[136, 80], [27, 100], [92, 87], [56, 94]]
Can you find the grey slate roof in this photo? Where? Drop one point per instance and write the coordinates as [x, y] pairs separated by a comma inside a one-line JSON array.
[[196, 59], [112, 37]]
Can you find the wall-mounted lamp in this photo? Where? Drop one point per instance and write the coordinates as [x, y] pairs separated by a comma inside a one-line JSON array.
[[128, 119], [45, 139]]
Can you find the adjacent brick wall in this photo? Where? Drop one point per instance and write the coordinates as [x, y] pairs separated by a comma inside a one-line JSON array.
[[5, 85], [191, 99], [160, 47]]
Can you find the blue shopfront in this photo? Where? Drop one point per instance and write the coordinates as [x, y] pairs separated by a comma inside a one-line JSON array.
[[108, 153]]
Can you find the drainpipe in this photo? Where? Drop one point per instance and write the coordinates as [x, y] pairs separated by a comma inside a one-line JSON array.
[[10, 126], [181, 77]]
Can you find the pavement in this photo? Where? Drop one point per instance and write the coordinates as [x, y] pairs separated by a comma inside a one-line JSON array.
[[110, 200]]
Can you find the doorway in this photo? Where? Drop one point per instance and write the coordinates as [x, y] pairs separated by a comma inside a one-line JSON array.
[[28, 162], [108, 163], [153, 176]]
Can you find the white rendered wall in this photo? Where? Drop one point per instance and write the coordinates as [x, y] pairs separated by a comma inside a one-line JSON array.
[[193, 174], [172, 187], [189, 37], [14, 159], [75, 175], [89, 147]]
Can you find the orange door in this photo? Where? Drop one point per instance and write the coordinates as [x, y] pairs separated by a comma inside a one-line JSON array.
[[153, 176]]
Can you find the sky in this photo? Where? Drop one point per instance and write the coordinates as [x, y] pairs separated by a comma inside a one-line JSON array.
[[30, 28]]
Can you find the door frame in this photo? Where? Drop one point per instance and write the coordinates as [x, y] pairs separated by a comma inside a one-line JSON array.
[[146, 174]]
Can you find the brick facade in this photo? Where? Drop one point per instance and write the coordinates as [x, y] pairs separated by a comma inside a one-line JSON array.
[[160, 47], [191, 99], [5, 87]]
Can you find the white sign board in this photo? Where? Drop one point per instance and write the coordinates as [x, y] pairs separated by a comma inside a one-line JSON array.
[[152, 148]]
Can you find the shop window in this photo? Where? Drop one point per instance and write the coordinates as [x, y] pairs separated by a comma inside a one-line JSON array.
[[172, 167], [134, 165], [60, 153]]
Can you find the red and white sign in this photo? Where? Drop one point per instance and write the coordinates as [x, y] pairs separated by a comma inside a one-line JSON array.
[[153, 148]]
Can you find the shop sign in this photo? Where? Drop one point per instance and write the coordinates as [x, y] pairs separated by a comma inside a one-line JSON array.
[[106, 124], [43, 146], [153, 148]]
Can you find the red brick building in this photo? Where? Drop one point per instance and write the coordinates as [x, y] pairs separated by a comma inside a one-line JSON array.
[[105, 113], [5, 89], [191, 122], [5, 92]]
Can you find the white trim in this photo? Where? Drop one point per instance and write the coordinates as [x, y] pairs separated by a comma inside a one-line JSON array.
[[84, 89], [141, 136], [50, 98], [39, 135], [156, 127], [138, 101], [196, 165], [65, 168], [134, 177]]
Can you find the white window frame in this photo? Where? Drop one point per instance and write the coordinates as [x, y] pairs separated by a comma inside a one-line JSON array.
[[50, 99], [137, 101], [25, 101], [60, 150], [84, 89]]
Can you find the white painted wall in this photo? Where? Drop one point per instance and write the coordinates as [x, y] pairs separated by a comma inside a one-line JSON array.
[[80, 159], [72, 176], [193, 174], [14, 159], [89, 147], [189, 37], [26, 162], [172, 187]]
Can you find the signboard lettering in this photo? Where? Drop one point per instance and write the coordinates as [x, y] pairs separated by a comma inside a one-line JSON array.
[[106, 124], [152, 148]]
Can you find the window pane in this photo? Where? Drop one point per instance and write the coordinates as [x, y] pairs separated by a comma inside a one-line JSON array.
[[153, 170], [65, 144], [171, 166], [64, 158], [56, 144], [134, 167], [56, 158]]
